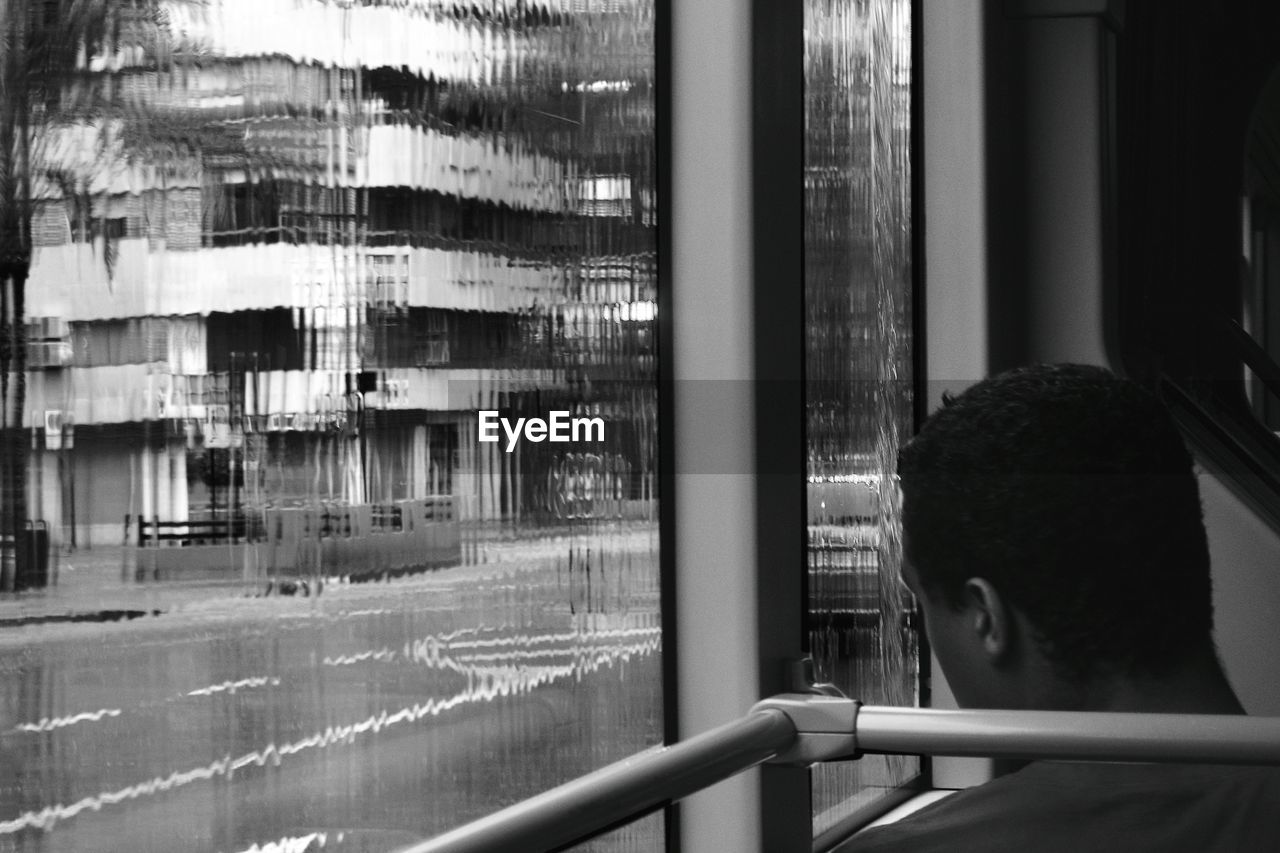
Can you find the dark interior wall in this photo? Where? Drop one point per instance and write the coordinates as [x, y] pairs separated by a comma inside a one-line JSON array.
[[1180, 80], [1187, 78], [1007, 257], [1047, 205]]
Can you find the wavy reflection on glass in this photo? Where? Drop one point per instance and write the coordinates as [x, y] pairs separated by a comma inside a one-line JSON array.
[[858, 370], [512, 677], [278, 255]]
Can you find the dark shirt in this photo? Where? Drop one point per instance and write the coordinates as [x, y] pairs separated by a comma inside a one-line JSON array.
[[1050, 806]]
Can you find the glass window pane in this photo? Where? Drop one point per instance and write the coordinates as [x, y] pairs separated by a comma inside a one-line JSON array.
[[1260, 212], [265, 584], [639, 836], [858, 366]]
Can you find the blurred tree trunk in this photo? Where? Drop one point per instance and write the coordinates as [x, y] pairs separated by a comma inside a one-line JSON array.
[[42, 43], [15, 265]]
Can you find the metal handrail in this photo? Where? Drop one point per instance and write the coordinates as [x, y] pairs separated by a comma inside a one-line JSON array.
[[1071, 736], [803, 728], [621, 791], [1255, 357]]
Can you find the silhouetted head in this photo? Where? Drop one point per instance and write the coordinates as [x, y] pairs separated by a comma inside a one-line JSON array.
[[1063, 497]]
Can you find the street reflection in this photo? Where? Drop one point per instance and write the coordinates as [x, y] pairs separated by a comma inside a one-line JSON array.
[[405, 706]]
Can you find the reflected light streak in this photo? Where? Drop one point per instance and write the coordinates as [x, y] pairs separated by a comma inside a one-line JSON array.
[[48, 724], [233, 686], [484, 684], [293, 844]]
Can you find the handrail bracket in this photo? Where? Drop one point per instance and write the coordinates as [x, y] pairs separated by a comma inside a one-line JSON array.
[[825, 727]]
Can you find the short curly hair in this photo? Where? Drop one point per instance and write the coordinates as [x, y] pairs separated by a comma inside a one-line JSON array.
[[1070, 490]]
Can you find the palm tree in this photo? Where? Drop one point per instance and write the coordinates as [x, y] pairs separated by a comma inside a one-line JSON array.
[[43, 46], [51, 69]]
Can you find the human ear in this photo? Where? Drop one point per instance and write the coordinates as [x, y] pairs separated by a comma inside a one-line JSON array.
[[989, 619]]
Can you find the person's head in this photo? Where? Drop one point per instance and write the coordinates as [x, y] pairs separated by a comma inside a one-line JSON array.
[[1052, 524]]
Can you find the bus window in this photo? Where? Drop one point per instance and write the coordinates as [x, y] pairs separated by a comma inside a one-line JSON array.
[[858, 313], [330, 443]]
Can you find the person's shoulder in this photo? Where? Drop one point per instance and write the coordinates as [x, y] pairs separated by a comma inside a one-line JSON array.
[[1078, 806], [971, 819]]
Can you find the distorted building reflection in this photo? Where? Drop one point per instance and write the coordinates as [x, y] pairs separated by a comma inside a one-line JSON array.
[[275, 276], [283, 253]]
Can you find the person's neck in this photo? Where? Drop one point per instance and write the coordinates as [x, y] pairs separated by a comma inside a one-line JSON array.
[[1197, 687]]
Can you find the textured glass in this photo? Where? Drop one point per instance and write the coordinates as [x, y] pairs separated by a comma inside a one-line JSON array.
[[639, 835], [858, 366], [265, 263]]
